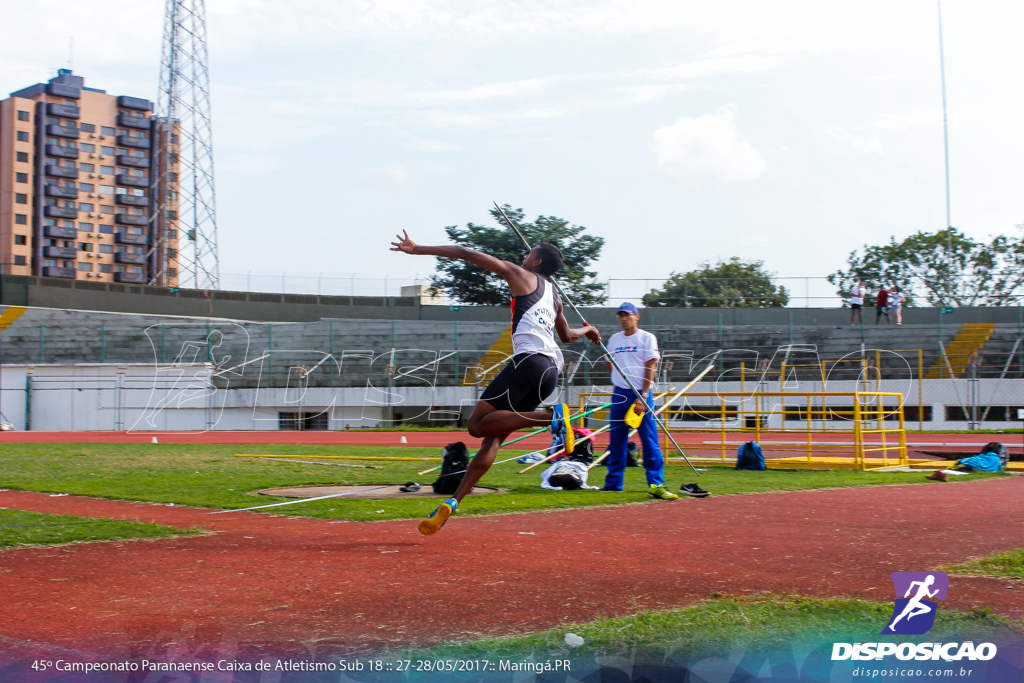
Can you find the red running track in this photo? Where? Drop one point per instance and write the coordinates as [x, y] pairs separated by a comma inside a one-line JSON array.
[[700, 441], [277, 586]]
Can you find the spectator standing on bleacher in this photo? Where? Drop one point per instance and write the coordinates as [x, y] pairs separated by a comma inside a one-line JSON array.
[[896, 303], [857, 294], [882, 306]]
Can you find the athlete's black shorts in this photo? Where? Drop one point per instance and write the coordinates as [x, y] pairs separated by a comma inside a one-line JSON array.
[[527, 380]]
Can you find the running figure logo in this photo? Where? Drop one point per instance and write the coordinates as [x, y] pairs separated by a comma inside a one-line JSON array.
[[914, 613]]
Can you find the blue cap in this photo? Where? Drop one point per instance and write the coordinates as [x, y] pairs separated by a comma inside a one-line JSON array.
[[628, 308]]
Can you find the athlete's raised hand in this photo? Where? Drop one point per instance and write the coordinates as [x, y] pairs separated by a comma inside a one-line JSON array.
[[404, 243], [592, 334]]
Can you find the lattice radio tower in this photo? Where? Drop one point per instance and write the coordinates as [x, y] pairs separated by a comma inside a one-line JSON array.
[[186, 196]]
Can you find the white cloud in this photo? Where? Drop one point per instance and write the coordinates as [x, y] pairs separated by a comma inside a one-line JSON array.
[[394, 175], [717, 66], [487, 91], [861, 144], [709, 144], [433, 146]]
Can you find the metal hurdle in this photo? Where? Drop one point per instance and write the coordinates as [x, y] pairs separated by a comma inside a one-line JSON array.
[[865, 413]]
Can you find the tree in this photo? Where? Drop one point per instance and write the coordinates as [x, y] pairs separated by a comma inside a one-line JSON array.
[[972, 274], [470, 284], [730, 284]]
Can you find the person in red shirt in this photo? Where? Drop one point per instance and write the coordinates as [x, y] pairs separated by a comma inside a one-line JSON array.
[[882, 306]]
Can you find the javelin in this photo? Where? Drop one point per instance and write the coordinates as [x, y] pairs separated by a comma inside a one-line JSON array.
[[604, 348], [527, 436], [669, 402], [303, 500]]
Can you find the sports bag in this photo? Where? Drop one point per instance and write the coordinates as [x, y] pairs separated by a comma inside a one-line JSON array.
[[454, 462], [584, 450], [566, 476], [999, 449], [749, 457]]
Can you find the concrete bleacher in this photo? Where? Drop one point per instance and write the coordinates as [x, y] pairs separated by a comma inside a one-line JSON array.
[[362, 348]]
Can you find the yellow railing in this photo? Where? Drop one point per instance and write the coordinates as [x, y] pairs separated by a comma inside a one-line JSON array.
[[735, 417], [860, 415]]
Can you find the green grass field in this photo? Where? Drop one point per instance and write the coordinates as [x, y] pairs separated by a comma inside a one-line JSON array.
[[759, 623], [1008, 565], [210, 476], [18, 528]]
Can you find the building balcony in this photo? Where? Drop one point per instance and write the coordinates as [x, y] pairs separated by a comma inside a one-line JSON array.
[[137, 162], [60, 231], [130, 219], [137, 143], [133, 121], [133, 181], [63, 90], [125, 238], [60, 212], [134, 103], [135, 259], [133, 278], [62, 172], [62, 131], [132, 200], [54, 271], [61, 191], [60, 252], [66, 110], [66, 151]]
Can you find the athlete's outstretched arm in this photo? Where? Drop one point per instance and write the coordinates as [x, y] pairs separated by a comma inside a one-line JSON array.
[[568, 334], [911, 587], [519, 279]]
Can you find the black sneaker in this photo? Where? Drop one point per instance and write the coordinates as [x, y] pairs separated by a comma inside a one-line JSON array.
[[605, 488], [693, 490]]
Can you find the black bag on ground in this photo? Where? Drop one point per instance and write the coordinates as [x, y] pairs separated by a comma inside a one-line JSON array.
[[999, 449], [583, 452], [565, 476], [454, 461]]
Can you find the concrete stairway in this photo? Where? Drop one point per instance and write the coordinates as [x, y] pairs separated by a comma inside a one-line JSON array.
[[968, 342]]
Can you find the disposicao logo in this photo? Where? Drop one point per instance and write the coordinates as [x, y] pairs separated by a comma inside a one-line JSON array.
[[914, 614]]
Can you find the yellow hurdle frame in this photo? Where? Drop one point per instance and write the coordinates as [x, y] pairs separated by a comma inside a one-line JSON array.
[[874, 445]]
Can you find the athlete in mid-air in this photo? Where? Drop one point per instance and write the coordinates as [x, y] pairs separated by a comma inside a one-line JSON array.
[[510, 401]]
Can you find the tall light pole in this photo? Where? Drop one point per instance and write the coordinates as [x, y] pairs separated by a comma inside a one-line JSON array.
[[945, 134]]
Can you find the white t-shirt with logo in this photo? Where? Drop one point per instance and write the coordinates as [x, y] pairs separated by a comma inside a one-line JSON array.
[[857, 294], [631, 353]]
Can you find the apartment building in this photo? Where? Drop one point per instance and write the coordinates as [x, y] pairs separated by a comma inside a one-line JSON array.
[[81, 176]]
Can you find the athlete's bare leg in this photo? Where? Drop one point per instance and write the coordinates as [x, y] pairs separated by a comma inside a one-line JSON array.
[[478, 465], [487, 421], [910, 611]]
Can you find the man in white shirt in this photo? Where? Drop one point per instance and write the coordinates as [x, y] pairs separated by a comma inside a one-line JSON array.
[[857, 294], [636, 352]]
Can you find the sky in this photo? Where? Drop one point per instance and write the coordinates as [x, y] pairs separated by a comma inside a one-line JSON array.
[[791, 132]]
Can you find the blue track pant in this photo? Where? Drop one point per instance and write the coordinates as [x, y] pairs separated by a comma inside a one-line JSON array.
[[654, 463]]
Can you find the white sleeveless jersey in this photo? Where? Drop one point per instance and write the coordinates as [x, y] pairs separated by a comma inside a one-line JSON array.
[[533, 323]]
